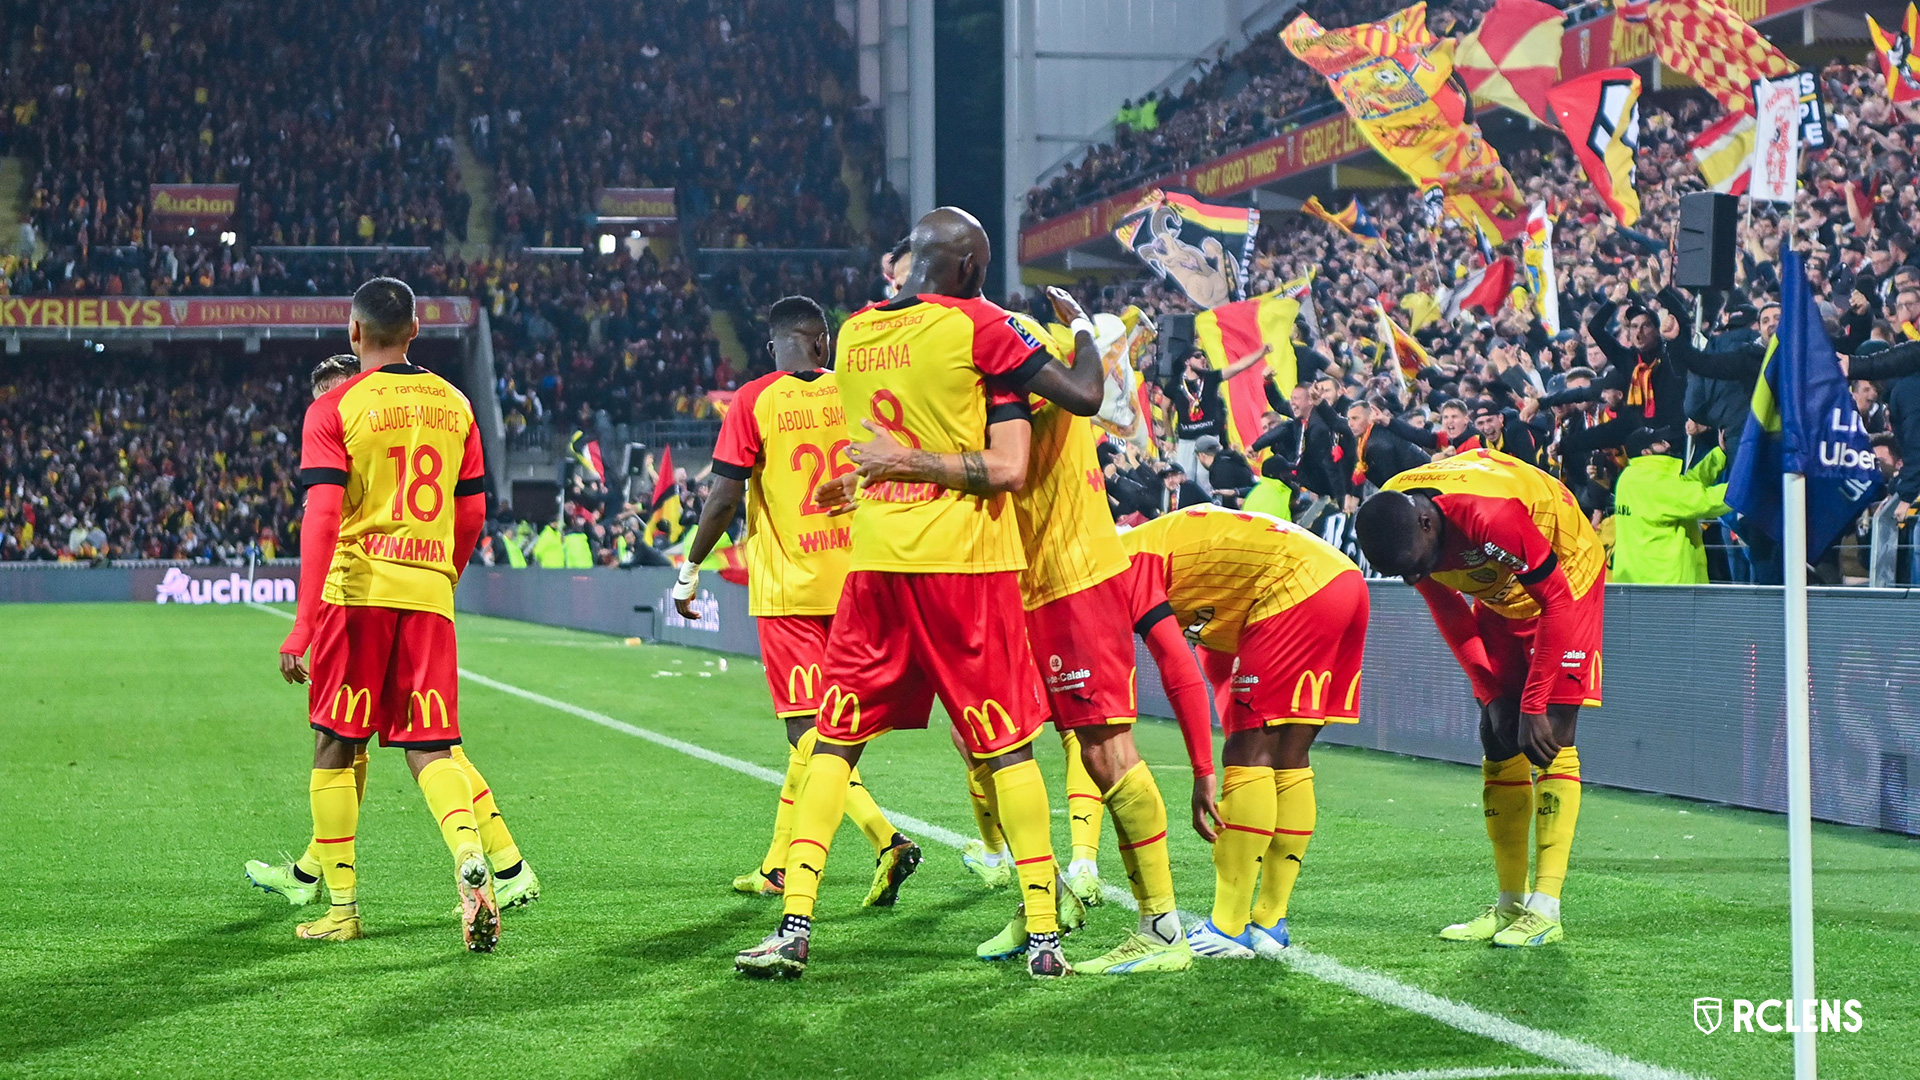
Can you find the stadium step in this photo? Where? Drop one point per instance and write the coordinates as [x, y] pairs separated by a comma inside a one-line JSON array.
[[728, 335], [13, 206], [476, 179]]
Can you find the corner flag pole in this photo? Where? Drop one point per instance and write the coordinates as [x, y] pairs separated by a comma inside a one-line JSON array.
[[1793, 489]]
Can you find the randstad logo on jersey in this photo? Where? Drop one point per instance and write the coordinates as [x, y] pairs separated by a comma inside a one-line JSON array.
[[708, 606], [1811, 1015], [178, 587]]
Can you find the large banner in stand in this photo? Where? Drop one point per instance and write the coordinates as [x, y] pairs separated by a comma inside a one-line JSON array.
[[108, 313], [175, 208]]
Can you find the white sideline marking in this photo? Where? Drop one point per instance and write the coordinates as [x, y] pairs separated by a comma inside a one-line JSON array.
[[1462, 1074], [1578, 1057], [1490, 1073]]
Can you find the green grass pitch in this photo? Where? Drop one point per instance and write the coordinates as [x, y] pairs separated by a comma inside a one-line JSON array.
[[148, 751]]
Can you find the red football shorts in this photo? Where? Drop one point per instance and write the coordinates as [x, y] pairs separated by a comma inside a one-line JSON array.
[[1083, 644], [1301, 666], [791, 648], [899, 640], [387, 672], [1510, 649]]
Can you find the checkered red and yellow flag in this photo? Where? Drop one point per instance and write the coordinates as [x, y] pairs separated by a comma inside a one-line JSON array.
[[1710, 44]]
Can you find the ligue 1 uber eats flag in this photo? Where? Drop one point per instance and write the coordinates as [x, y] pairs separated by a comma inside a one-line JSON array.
[[1803, 421]]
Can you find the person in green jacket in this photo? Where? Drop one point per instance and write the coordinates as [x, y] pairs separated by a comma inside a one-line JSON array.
[[1657, 510], [578, 551], [548, 552]]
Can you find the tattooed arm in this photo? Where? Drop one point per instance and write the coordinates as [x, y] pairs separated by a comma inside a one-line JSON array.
[[1002, 466]]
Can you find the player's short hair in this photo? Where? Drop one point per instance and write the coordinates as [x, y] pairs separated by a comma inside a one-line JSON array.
[[1386, 526], [337, 366], [793, 312], [384, 309], [901, 247]]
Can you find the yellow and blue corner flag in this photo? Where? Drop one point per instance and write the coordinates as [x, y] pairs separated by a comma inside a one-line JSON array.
[[1803, 421]]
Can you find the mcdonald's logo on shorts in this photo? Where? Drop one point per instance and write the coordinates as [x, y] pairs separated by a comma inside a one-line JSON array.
[[1314, 686], [361, 700], [421, 705], [983, 717], [835, 702], [800, 680]]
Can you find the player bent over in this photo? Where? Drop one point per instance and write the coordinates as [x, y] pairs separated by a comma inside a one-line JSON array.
[[1513, 539], [1281, 620], [782, 435], [395, 501], [299, 882], [932, 600]]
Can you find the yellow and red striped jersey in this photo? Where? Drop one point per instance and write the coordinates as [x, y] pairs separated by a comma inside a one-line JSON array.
[[1066, 529], [1225, 569], [784, 436], [934, 371], [402, 441], [1509, 526]]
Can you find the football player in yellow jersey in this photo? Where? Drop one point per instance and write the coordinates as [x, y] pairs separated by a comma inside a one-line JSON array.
[[395, 500], [299, 882], [781, 439], [932, 605], [1492, 528], [1281, 620]]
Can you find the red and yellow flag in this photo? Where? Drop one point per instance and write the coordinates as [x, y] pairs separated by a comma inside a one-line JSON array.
[[1600, 115], [1711, 44], [1897, 62], [1231, 331], [1513, 56]]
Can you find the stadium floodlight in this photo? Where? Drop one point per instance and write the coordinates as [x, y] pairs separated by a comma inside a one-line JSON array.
[[606, 243]]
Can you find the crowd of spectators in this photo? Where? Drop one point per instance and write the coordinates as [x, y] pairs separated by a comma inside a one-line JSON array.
[[1623, 385], [187, 457], [749, 110]]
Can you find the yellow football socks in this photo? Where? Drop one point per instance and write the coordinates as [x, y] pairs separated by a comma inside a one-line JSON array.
[[986, 807], [1246, 819], [1508, 796], [1024, 817], [816, 817], [336, 814], [502, 852], [1557, 794], [1293, 821], [797, 755], [1083, 803], [867, 814], [450, 800], [1140, 819], [310, 863]]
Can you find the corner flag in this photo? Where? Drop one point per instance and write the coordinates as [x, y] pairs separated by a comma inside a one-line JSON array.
[[1803, 421]]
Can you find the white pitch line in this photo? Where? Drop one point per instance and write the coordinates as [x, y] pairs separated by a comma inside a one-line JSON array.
[[1485, 1073], [1572, 1053]]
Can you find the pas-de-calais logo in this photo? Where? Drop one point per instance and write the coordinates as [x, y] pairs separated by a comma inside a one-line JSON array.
[[1054, 663], [1706, 1015]]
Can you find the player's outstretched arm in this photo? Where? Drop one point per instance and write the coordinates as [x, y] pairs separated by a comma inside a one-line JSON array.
[[1455, 620], [722, 503], [319, 535], [1186, 690], [1002, 466], [469, 517], [1078, 389]]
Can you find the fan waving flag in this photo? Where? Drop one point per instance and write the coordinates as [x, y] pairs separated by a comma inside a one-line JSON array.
[[1513, 57], [1204, 248], [1398, 346], [1803, 421], [1711, 44], [663, 510], [1897, 62], [1724, 153], [1231, 331], [1542, 280], [1486, 288], [1353, 221], [1600, 114]]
